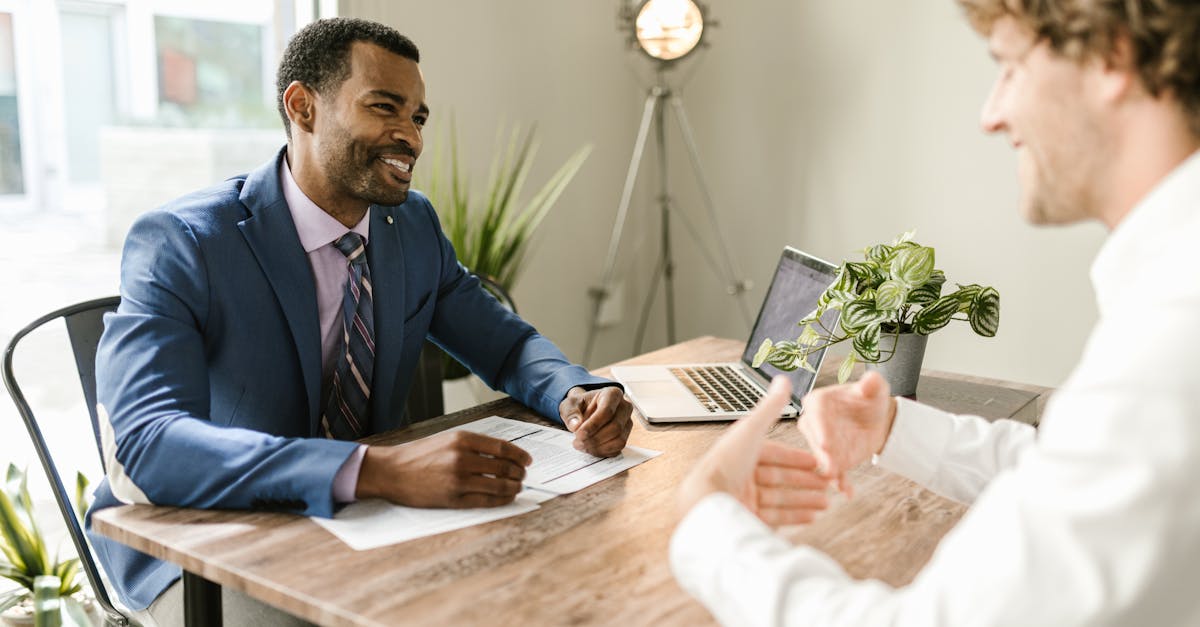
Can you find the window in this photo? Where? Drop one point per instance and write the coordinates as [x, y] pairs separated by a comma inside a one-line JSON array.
[[12, 179]]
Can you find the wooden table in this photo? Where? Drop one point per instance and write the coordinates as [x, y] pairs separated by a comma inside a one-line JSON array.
[[598, 556]]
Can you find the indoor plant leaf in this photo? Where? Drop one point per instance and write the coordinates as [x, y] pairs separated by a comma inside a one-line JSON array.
[[846, 368], [880, 254], [860, 314], [763, 351], [47, 602], [966, 296], [984, 314], [866, 343], [75, 613], [935, 315], [891, 295], [928, 291], [913, 265]]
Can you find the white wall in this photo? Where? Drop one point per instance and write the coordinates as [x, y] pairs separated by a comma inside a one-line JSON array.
[[825, 125]]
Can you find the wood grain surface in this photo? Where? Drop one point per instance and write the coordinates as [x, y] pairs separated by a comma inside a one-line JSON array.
[[596, 557]]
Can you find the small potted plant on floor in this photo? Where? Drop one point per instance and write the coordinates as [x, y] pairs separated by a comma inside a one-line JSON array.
[[889, 304], [49, 591]]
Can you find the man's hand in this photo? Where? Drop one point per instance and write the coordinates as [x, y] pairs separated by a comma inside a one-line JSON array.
[[601, 419], [846, 424], [457, 469], [778, 483]]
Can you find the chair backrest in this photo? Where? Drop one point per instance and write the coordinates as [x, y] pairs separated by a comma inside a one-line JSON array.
[[85, 323]]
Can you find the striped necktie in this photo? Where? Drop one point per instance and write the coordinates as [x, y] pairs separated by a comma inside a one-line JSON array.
[[348, 412]]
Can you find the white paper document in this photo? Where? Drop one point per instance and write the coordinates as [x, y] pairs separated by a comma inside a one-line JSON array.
[[557, 469]]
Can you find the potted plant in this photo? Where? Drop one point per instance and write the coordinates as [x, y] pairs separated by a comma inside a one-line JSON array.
[[50, 592], [491, 237], [889, 304]]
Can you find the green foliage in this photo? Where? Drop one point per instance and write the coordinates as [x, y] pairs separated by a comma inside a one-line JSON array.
[[491, 236], [25, 557], [895, 289]]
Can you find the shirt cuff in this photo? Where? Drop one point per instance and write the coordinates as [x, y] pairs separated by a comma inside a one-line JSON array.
[[919, 437], [345, 482]]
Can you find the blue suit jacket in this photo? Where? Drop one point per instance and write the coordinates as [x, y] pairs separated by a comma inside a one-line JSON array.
[[210, 370]]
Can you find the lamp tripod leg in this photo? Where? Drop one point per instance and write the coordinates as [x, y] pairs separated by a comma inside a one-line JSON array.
[[659, 272], [601, 293], [737, 285]]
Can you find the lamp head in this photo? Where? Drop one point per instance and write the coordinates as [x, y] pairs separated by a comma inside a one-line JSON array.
[[665, 30]]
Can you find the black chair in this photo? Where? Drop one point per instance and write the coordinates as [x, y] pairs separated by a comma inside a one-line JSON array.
[[84, 323]]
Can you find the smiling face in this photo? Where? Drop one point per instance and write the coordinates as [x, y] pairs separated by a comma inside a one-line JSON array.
[[1041, 101], [366, 134]]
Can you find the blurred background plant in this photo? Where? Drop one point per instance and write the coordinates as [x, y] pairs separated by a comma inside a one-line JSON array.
[[492, 230], [49, 589]]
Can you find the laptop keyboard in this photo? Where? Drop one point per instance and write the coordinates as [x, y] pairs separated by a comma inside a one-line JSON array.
[[718, 388]]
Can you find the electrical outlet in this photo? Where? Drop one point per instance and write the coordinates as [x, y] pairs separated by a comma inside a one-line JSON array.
[[612, 308]]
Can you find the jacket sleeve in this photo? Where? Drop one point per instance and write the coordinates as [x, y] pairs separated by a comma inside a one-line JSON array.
[[152, 380], [505, 352]]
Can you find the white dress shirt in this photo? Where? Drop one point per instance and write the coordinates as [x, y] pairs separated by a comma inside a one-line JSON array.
[[1094, 520]]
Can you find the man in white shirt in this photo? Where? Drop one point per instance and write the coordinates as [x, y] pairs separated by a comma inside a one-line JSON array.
[[1093, 520]]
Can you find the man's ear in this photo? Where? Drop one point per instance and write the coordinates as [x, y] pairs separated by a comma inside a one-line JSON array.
[[300, 103], [1119, 75]]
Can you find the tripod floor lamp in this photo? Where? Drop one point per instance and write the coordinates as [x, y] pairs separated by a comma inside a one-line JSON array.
[[666, 31]]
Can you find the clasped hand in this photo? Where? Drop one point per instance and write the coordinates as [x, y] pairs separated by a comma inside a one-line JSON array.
[[784, 485]]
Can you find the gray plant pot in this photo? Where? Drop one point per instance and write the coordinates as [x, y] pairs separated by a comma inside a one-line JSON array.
[[904, 368]]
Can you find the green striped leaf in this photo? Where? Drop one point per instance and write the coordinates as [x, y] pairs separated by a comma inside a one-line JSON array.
[[845, 280], [809, 336], [880, 254], [966, 296], [904, 238], [866, 343], [761, 354], [935, 315], [861, 314], [913, 265], [846, 368], [812, 316], [984, 314], [836, 299], [867, 275], [891, 295], [928, 291]]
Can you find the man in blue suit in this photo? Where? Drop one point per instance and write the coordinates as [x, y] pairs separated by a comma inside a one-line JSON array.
[[253, 343]]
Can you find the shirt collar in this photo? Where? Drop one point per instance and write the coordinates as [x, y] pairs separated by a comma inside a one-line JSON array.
[[1136, 253], [315, 227]]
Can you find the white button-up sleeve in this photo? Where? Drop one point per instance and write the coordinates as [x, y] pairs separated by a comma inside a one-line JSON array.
[[1072, 535], [955, 456]]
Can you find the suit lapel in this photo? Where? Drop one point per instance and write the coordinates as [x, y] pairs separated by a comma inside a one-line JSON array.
[[272, 237], [385, 254]]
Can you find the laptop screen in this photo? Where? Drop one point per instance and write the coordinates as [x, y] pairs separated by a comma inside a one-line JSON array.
[[797, 285]]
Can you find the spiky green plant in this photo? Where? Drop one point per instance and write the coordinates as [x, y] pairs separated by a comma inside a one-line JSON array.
[[25, 557], [491, 231], [895, 290], [491, 236]]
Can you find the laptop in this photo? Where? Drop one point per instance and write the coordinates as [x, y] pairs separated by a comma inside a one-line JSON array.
[[727, 391]]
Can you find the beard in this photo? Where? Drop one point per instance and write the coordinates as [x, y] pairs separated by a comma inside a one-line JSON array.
[[353, 167]]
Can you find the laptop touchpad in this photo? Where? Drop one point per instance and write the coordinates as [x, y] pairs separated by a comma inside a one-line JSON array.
[[654, 389]]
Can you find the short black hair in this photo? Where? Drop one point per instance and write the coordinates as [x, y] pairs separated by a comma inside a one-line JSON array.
[[319, 55]]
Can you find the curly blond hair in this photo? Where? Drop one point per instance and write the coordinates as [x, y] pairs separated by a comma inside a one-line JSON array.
[[1165, 35]]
